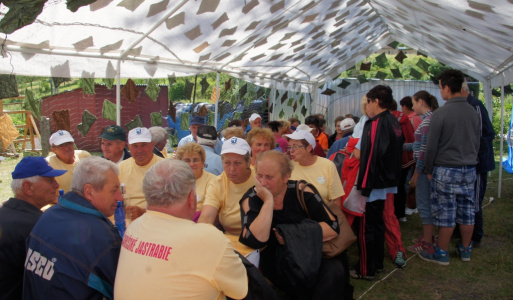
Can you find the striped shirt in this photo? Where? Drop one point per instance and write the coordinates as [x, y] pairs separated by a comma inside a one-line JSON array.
[[419, 146]]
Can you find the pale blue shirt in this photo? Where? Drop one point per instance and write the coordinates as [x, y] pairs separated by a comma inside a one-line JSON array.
[[213, 162], [189, 138]]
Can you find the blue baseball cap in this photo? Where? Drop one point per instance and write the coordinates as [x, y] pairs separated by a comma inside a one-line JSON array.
[[35, 166], [197, 120]]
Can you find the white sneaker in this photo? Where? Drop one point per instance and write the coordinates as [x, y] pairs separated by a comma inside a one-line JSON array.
[[410, 211]]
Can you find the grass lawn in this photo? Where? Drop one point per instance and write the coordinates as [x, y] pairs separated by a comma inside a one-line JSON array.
[[487, 276]]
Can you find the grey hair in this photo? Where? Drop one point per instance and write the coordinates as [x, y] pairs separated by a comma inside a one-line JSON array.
[[17, 184], [464, 86], [158, 134], [92, 170], [168, 182]]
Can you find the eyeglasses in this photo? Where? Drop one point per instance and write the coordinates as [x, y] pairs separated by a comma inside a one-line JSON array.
[[294, 147], [194, 161]]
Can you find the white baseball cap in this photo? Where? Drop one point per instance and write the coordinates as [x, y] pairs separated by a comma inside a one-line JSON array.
[[139, 135], [302, 135], [235, 145], [60, 137], [304, 127], [347, 124], [253, 117]]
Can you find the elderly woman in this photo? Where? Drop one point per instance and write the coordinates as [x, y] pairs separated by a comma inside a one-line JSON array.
[[194, 155], [272, 214], [233, 131], [338, 131], [260, 140], [319, 171], [380, 150], [226, 190]]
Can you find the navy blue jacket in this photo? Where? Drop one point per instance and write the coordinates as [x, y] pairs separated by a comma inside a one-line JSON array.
[[17, 217], [72, 253], [486, 160]]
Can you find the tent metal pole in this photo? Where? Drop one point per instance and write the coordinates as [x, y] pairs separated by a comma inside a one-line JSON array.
[[273, 98], [502, 137], [487, 89], [217, 100], [118, 94], [314, 97]]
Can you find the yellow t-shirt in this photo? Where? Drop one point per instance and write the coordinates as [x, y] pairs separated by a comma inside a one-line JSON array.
[[64, 180], [323, 175], [164, 257], [201, 187], [164, 152], [224, 195], [132, 175]]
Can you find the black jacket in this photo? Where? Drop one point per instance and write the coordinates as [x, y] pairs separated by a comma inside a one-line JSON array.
[[486, 160], [383, 168], [300, 258], [17, 218]]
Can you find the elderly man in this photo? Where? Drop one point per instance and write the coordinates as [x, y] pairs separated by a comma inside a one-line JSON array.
[[113, 143], [485, 161], [187, 260], [34, 186], [66, 157], [73, 250], [159, 137], [255, 121], [196, 122], [207, 137], [132, 170]]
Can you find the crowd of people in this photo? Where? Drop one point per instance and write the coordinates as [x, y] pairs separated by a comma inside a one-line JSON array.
[[200, 222]]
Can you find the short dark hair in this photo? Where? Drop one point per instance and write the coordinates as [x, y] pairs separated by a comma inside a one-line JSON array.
[[237, 123], [313, 120], [274, 125], [406, 101], [384, 95], [394, 106], [452, 78]]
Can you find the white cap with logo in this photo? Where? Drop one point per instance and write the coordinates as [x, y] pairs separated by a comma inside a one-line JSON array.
[[139, 135], [304, 127], [347, 124], [253, 117], [302, 135], [236, 145], [60, 137]]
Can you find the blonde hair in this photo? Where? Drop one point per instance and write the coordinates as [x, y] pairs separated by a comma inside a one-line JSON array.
[[190, 148], [234, 131], [265, 133], [363, 102], [279, 158]]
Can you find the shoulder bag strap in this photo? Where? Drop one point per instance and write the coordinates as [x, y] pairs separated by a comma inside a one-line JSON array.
[[300, 195]]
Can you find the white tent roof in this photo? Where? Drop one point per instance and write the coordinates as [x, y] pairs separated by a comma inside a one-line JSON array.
[[289, 44]]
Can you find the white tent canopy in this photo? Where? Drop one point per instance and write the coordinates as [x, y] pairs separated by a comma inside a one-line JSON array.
[[285, 44]]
